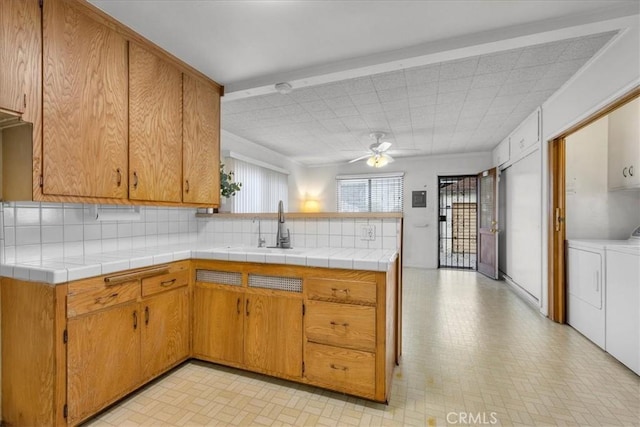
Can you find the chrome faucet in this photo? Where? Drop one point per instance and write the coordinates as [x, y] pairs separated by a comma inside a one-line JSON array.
[[282, 241], [261, 240]]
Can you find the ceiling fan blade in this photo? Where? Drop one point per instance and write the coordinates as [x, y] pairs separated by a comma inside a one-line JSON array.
[[388, 157], [383, 146], [360, 158]]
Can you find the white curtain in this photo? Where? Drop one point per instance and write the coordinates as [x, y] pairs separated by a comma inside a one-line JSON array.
[[261, 190]]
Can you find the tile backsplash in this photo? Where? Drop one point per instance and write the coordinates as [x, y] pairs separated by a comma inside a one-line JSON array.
[[34, 231]]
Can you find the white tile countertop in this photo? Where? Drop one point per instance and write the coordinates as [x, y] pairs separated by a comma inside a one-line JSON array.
[[61, 270]]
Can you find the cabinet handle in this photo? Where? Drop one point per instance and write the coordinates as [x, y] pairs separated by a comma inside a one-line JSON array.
[[135, 320], [624, 172], [344, 325], [246, 307], [119, 180], [135, 180], [335, 290], [631, 170], [146, 315], [167, 283], [24, 100], [104, 300], [338, 367], [186, 186], [238, 306]]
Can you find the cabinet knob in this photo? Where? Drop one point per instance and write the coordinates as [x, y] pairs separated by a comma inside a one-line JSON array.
[[631, 170], [624, 172]]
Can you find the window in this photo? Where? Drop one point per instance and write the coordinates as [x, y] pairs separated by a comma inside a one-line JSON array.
[[262, 185], [370, 193]]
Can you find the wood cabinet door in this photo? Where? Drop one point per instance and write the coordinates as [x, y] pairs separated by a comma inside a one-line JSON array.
[[218, 320], [85, 108], [155, 127], [201, 142], [165, 331], [19, 54], [273, 334], [103, 358]]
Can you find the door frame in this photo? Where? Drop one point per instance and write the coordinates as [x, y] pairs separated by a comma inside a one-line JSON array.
[[556, 225], [495, 172]]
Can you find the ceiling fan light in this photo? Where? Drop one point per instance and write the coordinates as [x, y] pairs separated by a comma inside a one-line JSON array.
[[371, 161], [377, 161]]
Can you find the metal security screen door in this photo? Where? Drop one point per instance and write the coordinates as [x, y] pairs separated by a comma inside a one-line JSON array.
[[457, 230]]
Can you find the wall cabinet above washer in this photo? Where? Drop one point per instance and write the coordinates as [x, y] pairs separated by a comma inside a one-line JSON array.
[[624, 147]]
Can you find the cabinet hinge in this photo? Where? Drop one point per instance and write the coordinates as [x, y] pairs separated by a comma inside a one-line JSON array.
[[65, 411], [40, 2], [303, 309], [302, 368], [65, 336], [41, 181]]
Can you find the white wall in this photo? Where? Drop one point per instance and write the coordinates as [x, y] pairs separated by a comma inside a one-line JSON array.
[[421, 173], [613, 72], [592, 211]]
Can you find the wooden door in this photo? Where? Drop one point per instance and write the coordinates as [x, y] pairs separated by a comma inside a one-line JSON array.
[[201, 142], [488, 223], [218, 319], [19, 55], [155, 127], [85, 108], [103, 358], [273, 334], [165, 334]]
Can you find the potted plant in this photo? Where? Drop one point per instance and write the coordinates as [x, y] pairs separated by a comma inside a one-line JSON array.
[[228, 187]]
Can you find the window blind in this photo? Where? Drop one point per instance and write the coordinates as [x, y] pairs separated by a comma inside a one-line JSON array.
[[261, 190], [370, 193]]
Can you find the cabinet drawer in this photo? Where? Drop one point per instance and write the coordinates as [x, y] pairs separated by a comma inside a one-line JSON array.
[[349, 371], [343, 291], [98, 298], [156, 284], [351, 326]]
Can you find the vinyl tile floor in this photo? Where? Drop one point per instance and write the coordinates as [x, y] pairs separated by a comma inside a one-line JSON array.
[[474, 353]]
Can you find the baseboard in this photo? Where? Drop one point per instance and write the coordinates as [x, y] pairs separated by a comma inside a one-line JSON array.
[[526, 296]]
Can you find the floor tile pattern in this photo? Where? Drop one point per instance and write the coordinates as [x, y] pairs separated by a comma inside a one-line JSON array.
[[474, 354]]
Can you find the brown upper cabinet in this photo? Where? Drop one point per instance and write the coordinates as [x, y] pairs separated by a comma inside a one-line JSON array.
[[19, 57], [85, 105], [107, 108], [201, 141], [155, 127]]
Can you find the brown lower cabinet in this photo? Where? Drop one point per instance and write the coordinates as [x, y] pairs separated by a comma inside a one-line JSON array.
[[71, 350]]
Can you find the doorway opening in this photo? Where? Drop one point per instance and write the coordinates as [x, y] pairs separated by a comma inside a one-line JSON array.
[[457, 222]]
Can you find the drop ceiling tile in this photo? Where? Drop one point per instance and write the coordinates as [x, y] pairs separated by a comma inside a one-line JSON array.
[[448, 109], [346, 111], [586, 47], [564, 68], [314, 106], [323, 114], [497, 62], [549, 83], [491, 79], [331, 90], [365, 98], [426, 89], [420, 75], [389, 95], [301, 118], [305, 94], [454, 85], [396, 105], [516, 88], [502, 110], [359, 85], [354, 123], [457, 69], [422, 101], [370, 108], [525, 74], [339, 102], [280, 101], [293, 109], [394, 79], [451, 97], [427, 110], [502, 101], [547, 53]]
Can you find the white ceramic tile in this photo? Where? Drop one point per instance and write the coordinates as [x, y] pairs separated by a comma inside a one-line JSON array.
[[389, 242], [335, 241], [124, 229], [6, 270], [174, 227], [163, 227], [236, 226], [142, 261], [335, 226], [318, 261], [73, 248], [28, 253], [295, 259], [237, 256], [340, 263], [27, 216], [84, 271], [365, 265], [323, 241], [114, 266], [348, 227], [27, 235], [275, 258], [256, 257], [162, 258], [389, 227], [347, 241], [73, 233], [181, 255], [92, 246], [310, 226], [109, 230], [52, 250], [109, 245], [91, 231]]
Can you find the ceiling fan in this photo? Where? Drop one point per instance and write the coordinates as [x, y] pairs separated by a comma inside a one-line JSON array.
[[377, 157]]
